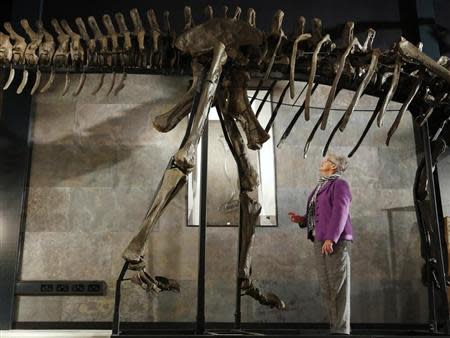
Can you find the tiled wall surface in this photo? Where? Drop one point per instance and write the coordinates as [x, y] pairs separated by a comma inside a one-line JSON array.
[[97, 162], [444, 183]]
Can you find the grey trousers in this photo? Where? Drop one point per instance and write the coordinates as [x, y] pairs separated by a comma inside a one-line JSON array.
[[334, 279]]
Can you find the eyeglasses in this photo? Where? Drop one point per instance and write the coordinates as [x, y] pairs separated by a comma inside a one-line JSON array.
[[328, 160], [331, 161]]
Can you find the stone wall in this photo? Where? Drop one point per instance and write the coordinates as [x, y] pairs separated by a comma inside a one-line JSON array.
[[444, 183], [97, 162]]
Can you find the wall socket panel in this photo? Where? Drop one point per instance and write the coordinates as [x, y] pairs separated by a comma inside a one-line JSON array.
[[60, 288]]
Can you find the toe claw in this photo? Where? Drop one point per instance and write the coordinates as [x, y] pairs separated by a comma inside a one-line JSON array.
[[274, 301], [145, 281], [167, 284]]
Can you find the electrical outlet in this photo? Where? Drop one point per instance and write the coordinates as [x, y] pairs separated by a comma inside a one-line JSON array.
[[93, 288], [62, 288], [46, 287], [78, 288]]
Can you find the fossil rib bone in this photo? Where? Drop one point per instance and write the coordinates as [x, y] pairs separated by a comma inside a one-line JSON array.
[[266, 96], [80, 84], [23, 83], [391, 91], [66, 84], [404, 107], [301, 37], [12, 73], [314, 130], [277, 33], [100, 84], [312, 74], [121, 84], [375, 113], [37, 82], [50, 81], [113, 81], [350, 45], [296, 117], [362, 86], [277, 107]]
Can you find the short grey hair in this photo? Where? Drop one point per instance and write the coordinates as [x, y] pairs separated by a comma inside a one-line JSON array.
[[341, 162]]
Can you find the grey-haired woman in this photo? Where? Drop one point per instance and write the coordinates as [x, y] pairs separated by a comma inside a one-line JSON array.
[[330, 228]]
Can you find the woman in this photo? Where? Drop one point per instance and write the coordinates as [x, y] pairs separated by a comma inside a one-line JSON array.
[[330, 228]]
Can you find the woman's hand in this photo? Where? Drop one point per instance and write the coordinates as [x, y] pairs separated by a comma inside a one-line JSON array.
[[295, 218], [327, 247]]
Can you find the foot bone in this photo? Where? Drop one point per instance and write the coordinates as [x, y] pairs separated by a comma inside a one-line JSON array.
[[156, 284], [270, 299]]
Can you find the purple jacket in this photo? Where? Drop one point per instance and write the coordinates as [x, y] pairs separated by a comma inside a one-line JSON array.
[[333, 211]]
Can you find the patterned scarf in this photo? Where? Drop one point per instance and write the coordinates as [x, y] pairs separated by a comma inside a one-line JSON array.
[[311, 209]]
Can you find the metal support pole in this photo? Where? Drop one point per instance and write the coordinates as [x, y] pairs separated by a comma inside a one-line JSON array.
[[237, 314], [436, 243], [200, 329], [116, 317]]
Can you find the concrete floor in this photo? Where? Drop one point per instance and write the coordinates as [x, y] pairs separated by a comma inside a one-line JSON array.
[[55, 333]]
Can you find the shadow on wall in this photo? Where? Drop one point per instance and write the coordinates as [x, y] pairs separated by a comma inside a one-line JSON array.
[[97, 148]]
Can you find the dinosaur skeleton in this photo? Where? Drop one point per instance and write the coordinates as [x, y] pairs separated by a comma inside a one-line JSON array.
[[223, 54]]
